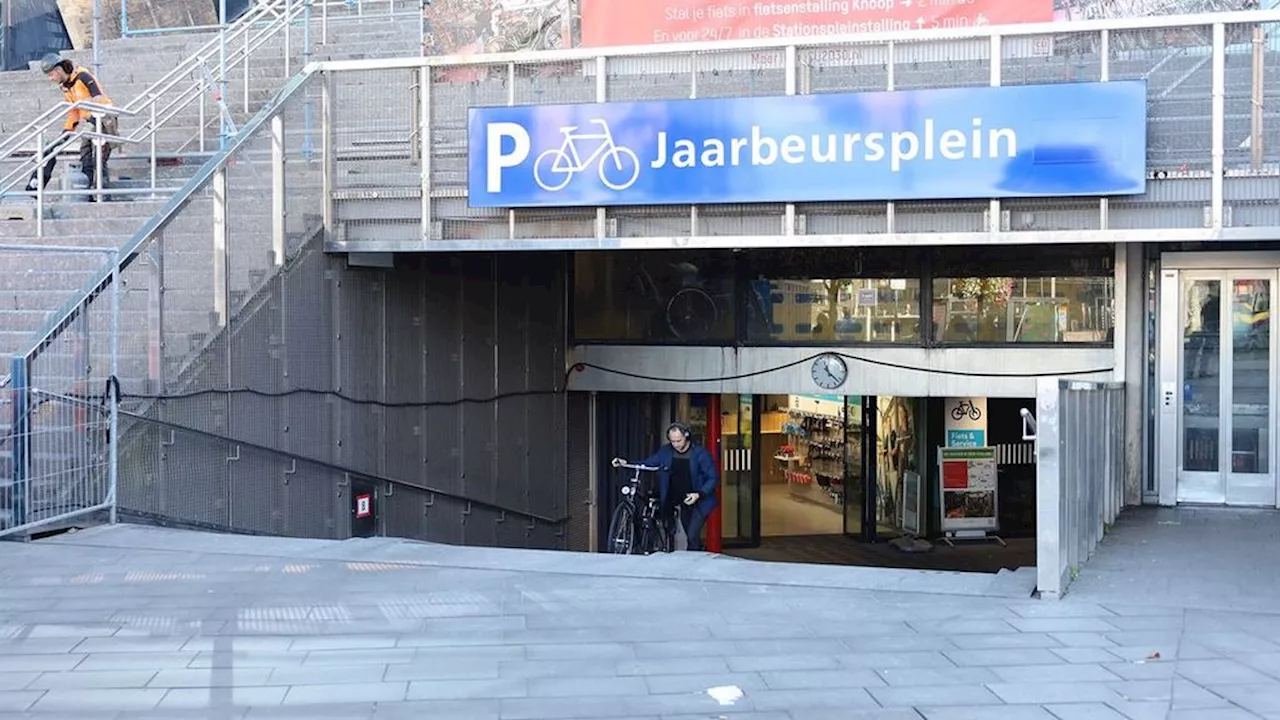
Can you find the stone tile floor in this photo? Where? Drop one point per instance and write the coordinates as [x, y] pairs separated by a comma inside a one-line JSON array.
[[134, 622]]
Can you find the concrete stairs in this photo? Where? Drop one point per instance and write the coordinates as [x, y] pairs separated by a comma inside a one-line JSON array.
[[36, 286]]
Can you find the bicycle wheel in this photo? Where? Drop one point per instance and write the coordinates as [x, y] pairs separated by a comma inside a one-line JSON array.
[[649, 541], [622, 531], [691, 314]]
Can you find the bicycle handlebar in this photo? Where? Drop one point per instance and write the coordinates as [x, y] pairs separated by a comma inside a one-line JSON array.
[[642, 468]]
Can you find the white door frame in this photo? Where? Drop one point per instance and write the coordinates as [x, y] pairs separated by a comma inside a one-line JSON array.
[[1237, 488]]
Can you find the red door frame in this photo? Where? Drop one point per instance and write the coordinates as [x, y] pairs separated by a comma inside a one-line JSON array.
[[714, 531]]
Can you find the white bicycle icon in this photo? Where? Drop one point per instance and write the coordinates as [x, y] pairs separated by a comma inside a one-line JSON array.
[[618, 166]]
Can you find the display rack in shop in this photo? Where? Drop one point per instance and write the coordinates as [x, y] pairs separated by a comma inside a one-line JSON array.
[[815, 473]]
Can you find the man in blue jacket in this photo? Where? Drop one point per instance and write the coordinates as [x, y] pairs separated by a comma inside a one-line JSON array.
[[687, 480]]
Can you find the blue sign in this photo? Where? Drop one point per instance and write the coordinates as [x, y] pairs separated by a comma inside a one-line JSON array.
[[1069, 139], [966, 438]]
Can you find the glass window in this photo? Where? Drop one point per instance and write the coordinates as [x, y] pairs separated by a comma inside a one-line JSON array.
[[653, 297], [836, 296], [1064, 295]]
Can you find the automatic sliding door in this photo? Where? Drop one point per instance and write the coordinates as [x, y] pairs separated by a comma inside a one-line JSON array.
[[1249, 382], [1227, 424], [1200, 476]]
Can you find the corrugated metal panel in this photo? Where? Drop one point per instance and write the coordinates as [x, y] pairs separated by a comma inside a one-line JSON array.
[[433, 330], [578, 470]]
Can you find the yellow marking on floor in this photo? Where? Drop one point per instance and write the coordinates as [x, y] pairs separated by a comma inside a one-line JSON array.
[[154, 576], [373, 567], [298, 569], [89, 578]]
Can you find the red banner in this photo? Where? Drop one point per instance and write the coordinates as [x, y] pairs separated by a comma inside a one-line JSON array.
[[647, 22]]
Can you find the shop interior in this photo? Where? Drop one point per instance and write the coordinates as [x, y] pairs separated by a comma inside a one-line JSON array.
[[802, 482]]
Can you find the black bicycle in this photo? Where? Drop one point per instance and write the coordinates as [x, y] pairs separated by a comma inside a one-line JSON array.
[[638, 527]]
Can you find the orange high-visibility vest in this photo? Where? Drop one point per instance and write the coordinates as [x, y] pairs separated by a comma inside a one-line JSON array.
[[82, 85]]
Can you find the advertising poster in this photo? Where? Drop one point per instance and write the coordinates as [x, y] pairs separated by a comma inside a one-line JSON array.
[[965, 422], [627, 22], [911, 496], [968, 489]]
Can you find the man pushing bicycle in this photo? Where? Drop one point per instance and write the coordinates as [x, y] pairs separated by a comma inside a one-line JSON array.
[[687, 480]]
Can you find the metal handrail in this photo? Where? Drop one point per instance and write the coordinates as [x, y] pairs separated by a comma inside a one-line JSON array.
[[128, 252], [233, 47]]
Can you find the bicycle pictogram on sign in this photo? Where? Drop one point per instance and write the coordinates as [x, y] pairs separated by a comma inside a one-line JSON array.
[[619, 167]]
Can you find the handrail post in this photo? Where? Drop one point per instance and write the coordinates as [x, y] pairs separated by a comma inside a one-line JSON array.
[[113, 393], [39, 176], [245, 60], [1218, 126], [278, 208], [124, 18], [306, 103], [204, 121], [19, 370], [288, 26], [97, 35], [222, 73], [99, 164], [153, 142], [324, 22]]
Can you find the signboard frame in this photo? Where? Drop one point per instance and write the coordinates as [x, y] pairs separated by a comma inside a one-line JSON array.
[[1018, 141], [959, 467]]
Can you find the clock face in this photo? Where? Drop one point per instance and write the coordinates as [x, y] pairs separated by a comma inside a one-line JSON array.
[[829, 372]]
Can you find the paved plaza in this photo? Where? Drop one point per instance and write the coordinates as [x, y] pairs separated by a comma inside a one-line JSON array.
[[134, 622]]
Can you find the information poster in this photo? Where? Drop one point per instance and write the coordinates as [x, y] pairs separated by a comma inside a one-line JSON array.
[[965, 421], [968, 489]]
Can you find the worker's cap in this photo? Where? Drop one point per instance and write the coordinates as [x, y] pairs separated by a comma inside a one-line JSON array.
[[49, 62]]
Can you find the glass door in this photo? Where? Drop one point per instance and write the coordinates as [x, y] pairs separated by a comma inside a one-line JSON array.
[[1227, 374], [739, 482]]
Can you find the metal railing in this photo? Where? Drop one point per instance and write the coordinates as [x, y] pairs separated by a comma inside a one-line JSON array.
[[56, 460], [165, 100], [1079, 435], [357, 9], [188, 310]]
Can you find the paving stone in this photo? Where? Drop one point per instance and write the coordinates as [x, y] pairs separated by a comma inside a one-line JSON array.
[[937, 696], [1220, 672], [701, 684], [585, 686], [196, 698], [1084, 655], [97, 699], [434, 640], [1084, 711], [988, 658], [468, 689], [1083, 673], [985, 712], [1261, 698], [1053, 692], [938, 677], [1141, 710], [360, 692]]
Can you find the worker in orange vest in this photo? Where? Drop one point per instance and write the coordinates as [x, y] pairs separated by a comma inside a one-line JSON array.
[[78, 84]]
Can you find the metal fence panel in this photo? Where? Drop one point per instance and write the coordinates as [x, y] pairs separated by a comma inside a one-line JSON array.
[[57, 410], [1080, 475]]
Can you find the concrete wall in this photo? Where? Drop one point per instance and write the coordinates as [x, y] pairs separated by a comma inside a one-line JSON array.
[[394, 370]]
